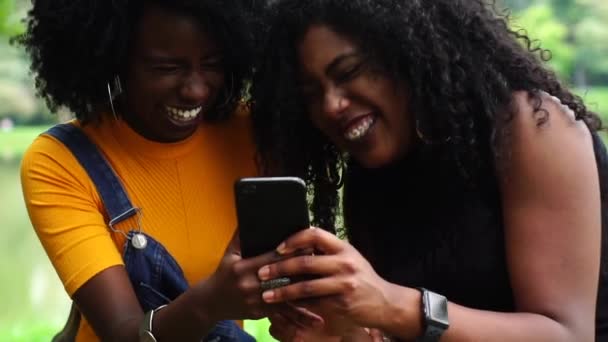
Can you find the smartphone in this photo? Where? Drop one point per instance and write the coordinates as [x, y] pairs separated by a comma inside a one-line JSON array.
[[269, 210]]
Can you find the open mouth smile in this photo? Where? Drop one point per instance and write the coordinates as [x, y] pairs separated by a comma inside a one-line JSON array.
[[359, 128], [182, 115]]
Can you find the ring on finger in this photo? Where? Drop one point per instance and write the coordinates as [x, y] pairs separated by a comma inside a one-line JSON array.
[[274, 283]]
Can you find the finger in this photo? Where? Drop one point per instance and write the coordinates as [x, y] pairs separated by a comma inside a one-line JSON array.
[[301, 316], [305, 264], [376, 335], [307, 289], [252, 265], [267, 284], [315, 238]]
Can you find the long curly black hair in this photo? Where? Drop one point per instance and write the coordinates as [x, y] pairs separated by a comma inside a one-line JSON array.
[[77, 47], [459, 58]]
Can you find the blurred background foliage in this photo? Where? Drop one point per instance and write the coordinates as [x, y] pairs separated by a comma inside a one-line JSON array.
[[574, 31]]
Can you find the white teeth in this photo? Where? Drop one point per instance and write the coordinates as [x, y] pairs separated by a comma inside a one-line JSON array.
[[358, 131], [183, 115]]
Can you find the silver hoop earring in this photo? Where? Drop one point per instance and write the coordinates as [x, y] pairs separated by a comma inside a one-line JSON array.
[[113, 93], [419, 133], [425, 139]]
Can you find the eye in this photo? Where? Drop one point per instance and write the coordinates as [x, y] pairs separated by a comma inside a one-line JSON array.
[[166, 68], [349, 73], [215, 63]]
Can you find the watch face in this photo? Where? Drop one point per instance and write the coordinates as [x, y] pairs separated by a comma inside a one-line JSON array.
[[436, 310], [146, 336]]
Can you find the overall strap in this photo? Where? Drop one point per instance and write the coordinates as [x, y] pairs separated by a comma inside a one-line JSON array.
[[112, 193]]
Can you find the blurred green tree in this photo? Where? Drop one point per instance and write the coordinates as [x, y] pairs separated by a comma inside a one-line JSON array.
[[10, 21], [575, 31], [17, 95]]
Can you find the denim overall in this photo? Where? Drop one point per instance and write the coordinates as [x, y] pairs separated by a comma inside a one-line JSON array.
[[155, 276]]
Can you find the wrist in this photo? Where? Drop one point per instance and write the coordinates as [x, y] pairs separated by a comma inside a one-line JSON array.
[[435, 310], [403, 317], [146, 326], [204, 305]]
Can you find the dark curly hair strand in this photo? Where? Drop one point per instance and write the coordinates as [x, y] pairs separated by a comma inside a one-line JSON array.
[[76, 47], [459, 58]]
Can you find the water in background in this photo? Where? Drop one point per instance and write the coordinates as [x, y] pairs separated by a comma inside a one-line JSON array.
[[30, 291]]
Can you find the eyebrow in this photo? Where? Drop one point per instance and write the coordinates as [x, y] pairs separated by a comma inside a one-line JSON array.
[[338, 60]]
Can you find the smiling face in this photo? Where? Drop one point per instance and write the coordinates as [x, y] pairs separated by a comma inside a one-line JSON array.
[[352, 101], [174, 76]]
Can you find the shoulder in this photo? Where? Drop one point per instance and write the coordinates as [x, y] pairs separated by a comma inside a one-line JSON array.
[[542, 126], [45, 149], [47, 161], [545, 150], [543, 117]]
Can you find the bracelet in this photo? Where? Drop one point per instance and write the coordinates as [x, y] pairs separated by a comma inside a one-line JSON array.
[[145, 328]]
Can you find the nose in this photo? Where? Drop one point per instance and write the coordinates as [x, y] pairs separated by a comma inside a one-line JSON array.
[[335, 102], [195, 88]]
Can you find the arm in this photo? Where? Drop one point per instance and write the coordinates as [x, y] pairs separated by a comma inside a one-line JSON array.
[[552, 213], [551, 206], [109, 303], [67, 216]]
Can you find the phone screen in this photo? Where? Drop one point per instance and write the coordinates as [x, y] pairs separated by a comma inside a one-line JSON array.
[[269, 210]]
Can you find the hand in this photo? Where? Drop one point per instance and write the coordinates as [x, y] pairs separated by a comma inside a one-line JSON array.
[[347, 285], [285, 330], [233, 291], [377, 335]]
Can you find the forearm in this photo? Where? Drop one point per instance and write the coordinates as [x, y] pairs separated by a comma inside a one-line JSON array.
[[188, 318], [405, 320]]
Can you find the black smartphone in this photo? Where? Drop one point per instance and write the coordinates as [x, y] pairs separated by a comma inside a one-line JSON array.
[[269, 210]]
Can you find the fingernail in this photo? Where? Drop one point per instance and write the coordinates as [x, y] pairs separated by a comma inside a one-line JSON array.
[[282, 249], [268, 296], [264, 273]]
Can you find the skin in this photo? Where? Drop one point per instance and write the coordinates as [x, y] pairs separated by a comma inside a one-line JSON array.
[[341, 87], [172, 63], [552, 241], [233, 292]]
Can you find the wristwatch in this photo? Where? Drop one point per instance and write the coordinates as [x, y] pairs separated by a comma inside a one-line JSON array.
[[435, 310], [145, 328]]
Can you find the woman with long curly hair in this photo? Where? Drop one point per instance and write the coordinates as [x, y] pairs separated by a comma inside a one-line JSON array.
[[132, 200], [475, 183]]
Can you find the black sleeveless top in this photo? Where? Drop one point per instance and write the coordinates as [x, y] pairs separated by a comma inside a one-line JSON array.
[[420, 224]]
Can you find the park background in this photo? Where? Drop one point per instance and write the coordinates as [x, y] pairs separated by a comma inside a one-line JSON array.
[[34, 303]]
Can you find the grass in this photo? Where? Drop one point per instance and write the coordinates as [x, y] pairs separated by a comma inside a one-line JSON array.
[[14, 142], [29, 332]]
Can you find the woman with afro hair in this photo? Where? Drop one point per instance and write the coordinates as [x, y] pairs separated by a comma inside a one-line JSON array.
[[475, 184], [132, 200]]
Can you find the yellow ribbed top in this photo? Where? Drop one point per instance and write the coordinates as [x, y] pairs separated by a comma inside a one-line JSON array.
[[185, 191]]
